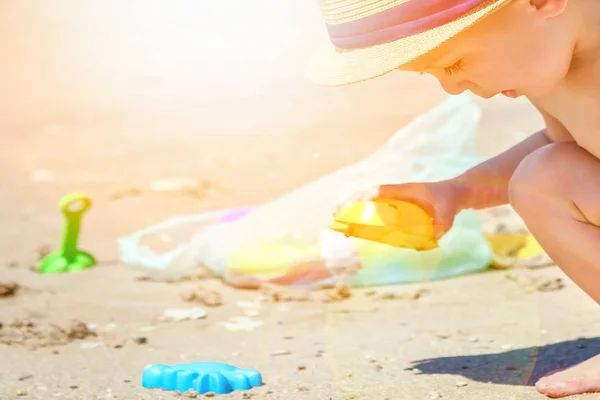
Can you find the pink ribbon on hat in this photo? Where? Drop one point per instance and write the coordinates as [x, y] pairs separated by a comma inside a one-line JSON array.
[[404, 20]]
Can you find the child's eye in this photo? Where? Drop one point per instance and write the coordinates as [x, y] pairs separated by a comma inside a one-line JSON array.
[[453, 69]]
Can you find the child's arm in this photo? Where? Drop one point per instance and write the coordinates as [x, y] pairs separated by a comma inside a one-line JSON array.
[[486, 185], [483, 186]]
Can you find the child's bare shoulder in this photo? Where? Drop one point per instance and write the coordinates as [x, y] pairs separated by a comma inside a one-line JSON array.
[[573, 116], [556, 130]]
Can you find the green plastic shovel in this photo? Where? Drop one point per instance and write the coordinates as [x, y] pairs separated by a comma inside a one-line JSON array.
[[69, 258]]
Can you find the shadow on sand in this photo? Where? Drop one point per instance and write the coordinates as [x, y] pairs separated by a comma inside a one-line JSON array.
[[515, 367]]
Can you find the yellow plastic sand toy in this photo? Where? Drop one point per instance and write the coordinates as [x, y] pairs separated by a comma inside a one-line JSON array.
[[395, 223]]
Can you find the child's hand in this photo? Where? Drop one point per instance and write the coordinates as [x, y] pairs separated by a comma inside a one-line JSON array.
[[442, 200]]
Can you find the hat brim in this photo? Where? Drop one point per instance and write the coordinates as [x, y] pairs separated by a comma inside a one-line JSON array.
[[333, 67]]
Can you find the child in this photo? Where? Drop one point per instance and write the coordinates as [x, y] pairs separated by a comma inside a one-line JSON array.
[[546, 50]]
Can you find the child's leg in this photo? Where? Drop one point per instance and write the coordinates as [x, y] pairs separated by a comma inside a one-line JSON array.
[[556, 190]]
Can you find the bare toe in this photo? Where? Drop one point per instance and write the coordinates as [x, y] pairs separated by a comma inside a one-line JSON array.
[[580, 379]]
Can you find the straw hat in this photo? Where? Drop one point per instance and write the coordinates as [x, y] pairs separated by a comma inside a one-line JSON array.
[[369, 38]]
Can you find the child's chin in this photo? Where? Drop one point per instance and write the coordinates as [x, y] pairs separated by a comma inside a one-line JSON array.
[[484, 95], [513, 94]]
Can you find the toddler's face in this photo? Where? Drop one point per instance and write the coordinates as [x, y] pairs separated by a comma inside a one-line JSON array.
[[515, 51]]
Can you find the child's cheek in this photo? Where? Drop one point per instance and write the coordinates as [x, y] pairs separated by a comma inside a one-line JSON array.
[[486, 77]]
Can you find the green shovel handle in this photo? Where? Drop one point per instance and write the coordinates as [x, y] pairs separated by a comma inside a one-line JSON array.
[[73, 206]]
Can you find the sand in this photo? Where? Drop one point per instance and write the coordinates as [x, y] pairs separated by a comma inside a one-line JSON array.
[[98, 99]]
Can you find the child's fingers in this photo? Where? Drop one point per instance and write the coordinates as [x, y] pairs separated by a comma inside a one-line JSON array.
[[442, 220], [415, 193], [420, 194]]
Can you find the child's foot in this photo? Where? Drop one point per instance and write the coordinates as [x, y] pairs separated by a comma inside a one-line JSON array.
[[582, 378]]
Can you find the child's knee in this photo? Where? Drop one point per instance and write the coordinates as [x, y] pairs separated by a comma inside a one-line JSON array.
[[541, 176]]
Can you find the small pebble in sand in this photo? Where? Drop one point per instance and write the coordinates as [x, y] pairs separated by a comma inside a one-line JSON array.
[[303, 389], [412, 295], [192, 394], [301, 368], [90, 345], [140, 339], [242, 324], [249, 304], [92, 326], [281, 353], [461, 383], [551, 285], [9, 289], [339, 293], [203, 296], [73, 387], [182, 314], [21, 393], [79, 330], [210, 394], [473, 340], [252, 313], [379, 367], [435, 396], [25, 377], [279, 294], [22, 323], [111, 326]]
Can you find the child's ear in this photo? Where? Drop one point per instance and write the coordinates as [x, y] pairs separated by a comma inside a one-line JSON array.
[[549, 8]]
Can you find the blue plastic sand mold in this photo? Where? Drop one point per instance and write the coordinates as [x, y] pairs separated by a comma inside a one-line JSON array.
[[203, 377]]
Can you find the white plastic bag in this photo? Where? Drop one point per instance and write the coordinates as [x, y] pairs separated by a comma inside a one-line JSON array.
[[285, 240], [141, 249]]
